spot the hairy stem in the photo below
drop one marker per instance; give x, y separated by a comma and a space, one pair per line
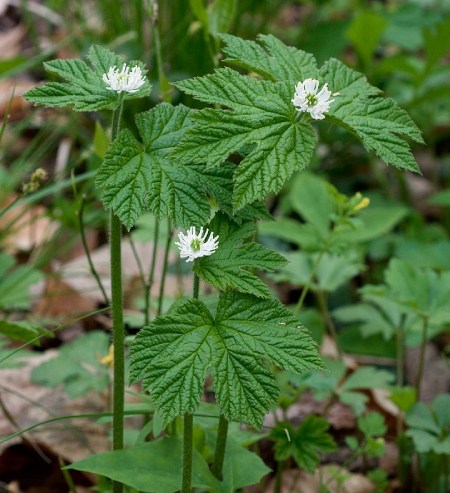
188, 428
221, 443
188, 432
151, 276
279, 476
165, 265
117, 316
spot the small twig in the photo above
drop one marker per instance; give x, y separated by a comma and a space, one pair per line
87, 252
16, 426
328, 320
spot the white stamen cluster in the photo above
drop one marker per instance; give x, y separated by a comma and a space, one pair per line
307, 98
126, 80
193, 245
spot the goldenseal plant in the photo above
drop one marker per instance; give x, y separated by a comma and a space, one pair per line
99, 86
176, 166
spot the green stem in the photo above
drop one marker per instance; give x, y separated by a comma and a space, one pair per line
421, 357
219, 454
117, 316
188, 433
151, 276
328, 320
279, 476
400, 362
307, 286
118, 337
401, 351
188, 428
165, 265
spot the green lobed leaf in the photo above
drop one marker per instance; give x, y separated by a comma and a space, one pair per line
305, 443
234, 262
324, 272
84, 88
378, 122
372, 424
174, 353
368, 377
381, 126
372, 320
270, 58
261, 124
136, 178
419, 290
262, 115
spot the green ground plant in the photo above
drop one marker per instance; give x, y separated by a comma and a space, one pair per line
221, 152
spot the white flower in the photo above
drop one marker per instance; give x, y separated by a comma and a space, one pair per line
127, 80
306, 98
193, 245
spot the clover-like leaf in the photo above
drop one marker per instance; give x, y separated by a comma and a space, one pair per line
174, 353
136, 178
234, 262
84, 88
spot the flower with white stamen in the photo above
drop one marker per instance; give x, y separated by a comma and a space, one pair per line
193, 245
307, 98
126, 80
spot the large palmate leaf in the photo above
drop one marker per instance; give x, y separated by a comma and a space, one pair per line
259, 121
84, 88
136, 177
173, 355
271, 58
233, 264
261, 115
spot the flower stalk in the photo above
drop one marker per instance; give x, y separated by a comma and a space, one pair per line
117, 316
219, 454
188, 426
